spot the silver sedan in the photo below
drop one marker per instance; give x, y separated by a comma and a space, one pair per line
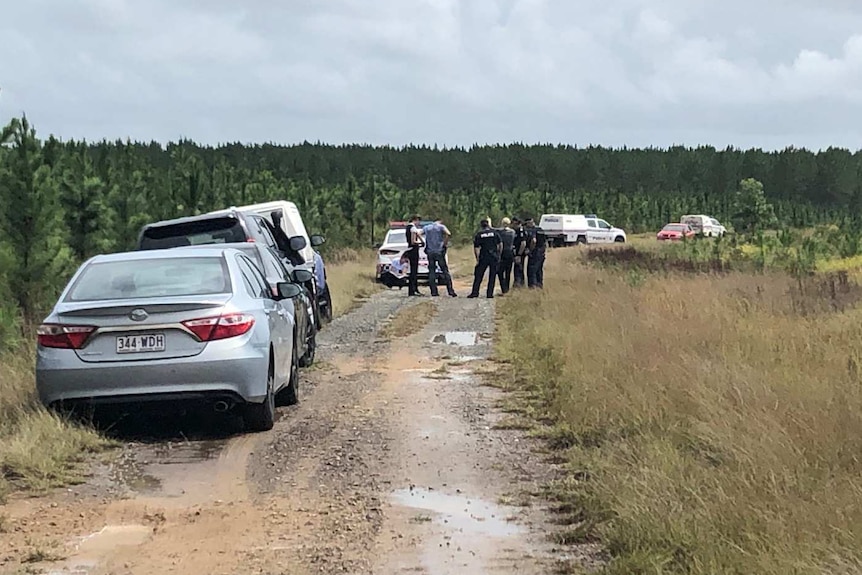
168, 325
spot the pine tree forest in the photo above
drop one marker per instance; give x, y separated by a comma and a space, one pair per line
64, 201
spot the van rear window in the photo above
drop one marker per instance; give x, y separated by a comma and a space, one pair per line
206, 231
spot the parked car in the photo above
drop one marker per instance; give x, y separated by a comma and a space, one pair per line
301, 306
570, 229
171, 325
226, 226
395, 244
675, 232
285, 221
703, 225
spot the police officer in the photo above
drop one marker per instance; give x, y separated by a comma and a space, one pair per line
487, 247
519, 249
507, 256
414, 242
536, 245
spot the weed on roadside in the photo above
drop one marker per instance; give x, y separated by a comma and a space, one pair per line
519, 499
350, 276
38, 449
409, 320
709, 422
42, 553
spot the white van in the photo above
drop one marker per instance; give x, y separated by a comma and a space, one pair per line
290, 221
285, 216
568, 229
704, 225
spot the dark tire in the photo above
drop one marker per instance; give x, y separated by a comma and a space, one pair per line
290, 394
619, 240
311, 350
581, 240
261, 416
318, 321
326, 308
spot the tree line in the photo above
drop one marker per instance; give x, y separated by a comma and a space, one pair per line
63, 201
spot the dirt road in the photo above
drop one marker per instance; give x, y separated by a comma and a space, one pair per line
391, 463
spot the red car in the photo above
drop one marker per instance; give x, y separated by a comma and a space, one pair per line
675, 232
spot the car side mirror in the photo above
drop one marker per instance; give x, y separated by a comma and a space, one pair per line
377, 246
317, 240
288, 290
302, 276
297, 243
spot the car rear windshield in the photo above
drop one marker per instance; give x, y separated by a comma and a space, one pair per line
205, 231
674, 228
151, 278
396, 237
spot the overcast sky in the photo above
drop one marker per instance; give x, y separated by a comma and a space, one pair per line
761, 73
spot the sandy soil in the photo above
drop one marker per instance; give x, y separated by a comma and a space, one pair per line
391, 463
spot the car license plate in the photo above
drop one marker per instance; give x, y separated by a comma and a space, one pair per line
141, 343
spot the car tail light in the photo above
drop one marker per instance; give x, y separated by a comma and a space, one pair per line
220, 327
63, 336
388, 252
249, 241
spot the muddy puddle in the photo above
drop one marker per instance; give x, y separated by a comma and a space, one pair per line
459, 513
169, 469
459, 338
87, 552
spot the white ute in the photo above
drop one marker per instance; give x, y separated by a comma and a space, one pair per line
704, 225
569, 229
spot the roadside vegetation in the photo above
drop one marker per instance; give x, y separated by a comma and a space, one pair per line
710, 416
38, 450
350, 274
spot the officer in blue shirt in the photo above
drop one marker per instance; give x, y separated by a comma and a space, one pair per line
436, 243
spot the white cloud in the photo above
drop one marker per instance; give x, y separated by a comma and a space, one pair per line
636, 72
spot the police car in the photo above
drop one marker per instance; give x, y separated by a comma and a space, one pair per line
395, 244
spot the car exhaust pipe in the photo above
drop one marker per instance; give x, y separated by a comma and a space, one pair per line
221, 406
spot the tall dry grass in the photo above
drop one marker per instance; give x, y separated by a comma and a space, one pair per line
710, 426
351, 277
38, 450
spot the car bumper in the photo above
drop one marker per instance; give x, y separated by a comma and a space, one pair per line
221, 371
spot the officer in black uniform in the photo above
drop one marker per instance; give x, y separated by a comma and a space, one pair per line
519, 249
507, 257
536, 245
414, 242
487, 247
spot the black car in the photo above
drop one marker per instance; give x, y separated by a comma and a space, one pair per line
227, 227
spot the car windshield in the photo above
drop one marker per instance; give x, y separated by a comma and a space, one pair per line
162, 277
396, 237
674, 228
205, 231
